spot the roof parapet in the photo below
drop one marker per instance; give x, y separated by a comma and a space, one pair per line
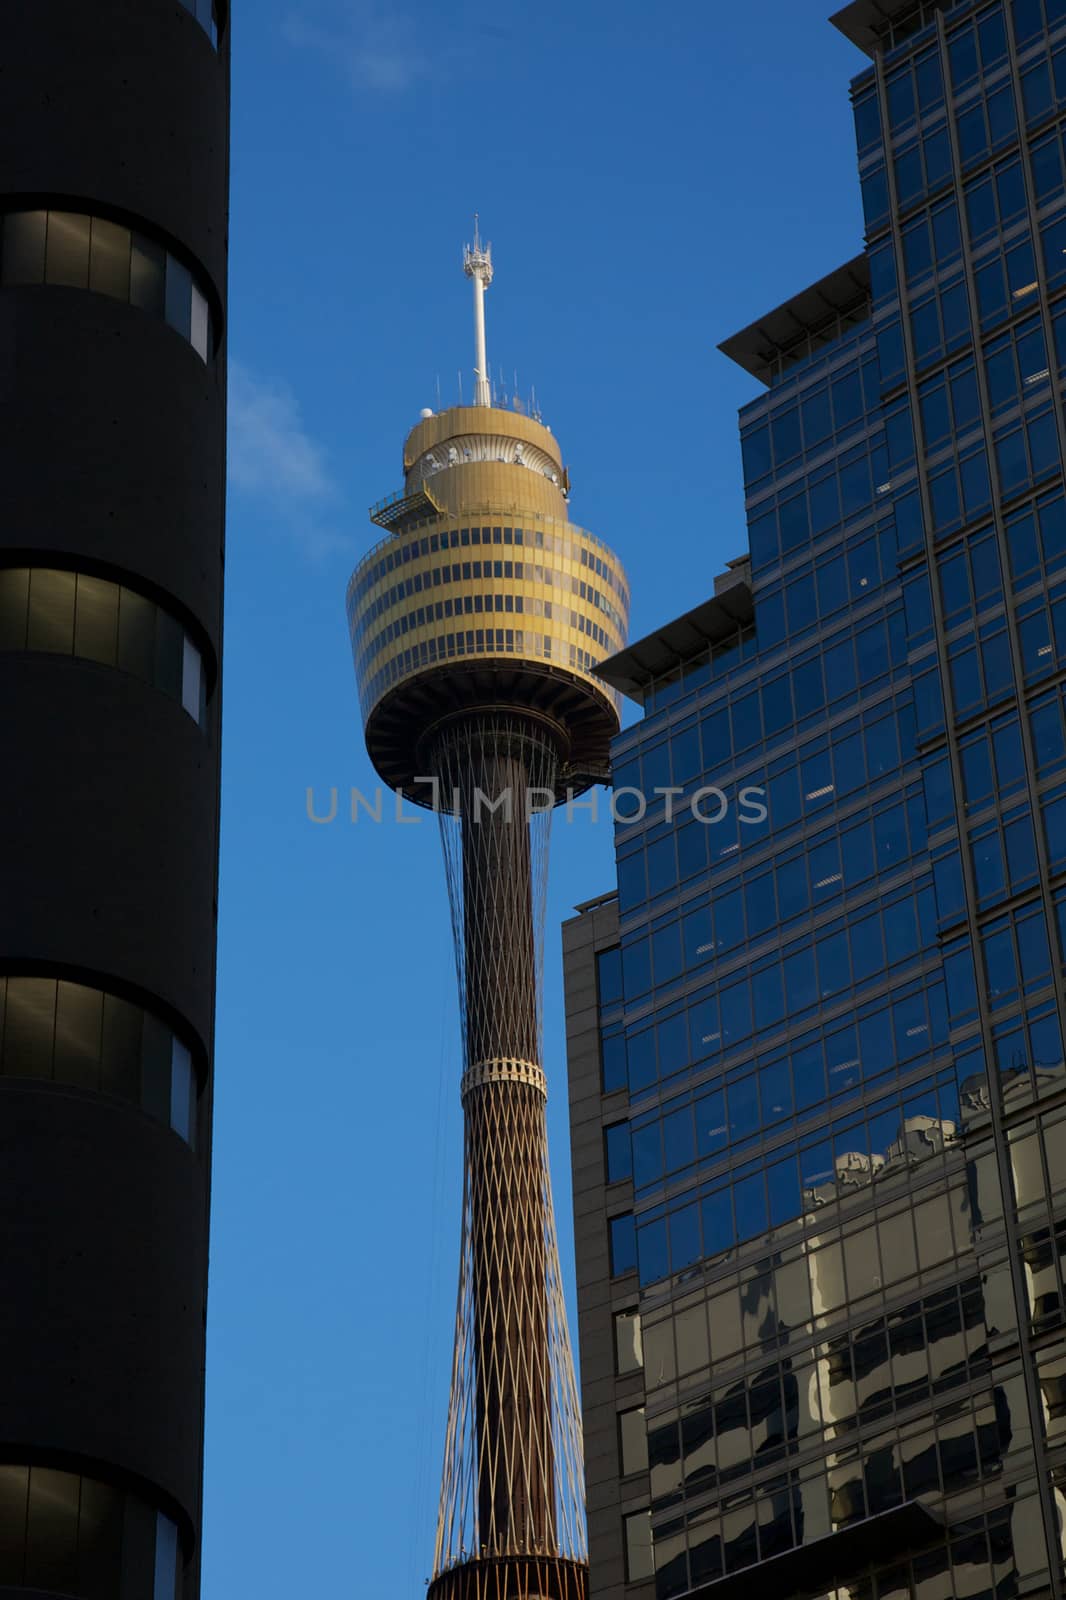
811, 318
633, 671
873, 24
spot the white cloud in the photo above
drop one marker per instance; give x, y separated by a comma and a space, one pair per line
270, 451
273, 458
375, 45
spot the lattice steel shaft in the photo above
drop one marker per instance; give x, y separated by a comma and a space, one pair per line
499, 939
512, 1478
505, 1138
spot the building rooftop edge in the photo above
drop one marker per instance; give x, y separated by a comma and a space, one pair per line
756, 347
633, 670
594, 905
864, 21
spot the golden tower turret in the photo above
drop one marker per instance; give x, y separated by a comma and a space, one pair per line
476, 626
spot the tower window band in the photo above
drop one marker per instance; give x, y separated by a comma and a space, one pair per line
70, 614
58, 1032
573, 545
71, 250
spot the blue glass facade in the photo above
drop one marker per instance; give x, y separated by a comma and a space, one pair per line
831, 1053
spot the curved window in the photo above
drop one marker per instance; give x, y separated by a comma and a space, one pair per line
69, 614
208, 14
70, 249
59, 1032
79, 1537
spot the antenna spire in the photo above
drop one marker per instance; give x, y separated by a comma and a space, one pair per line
477, 264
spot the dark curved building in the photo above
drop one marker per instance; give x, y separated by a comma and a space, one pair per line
114, 157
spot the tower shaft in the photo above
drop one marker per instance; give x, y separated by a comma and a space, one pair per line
506, 1135
498, 916
489, 765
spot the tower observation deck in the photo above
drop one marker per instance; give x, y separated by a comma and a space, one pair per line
476, 626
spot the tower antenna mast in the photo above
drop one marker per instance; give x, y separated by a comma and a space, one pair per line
477, 264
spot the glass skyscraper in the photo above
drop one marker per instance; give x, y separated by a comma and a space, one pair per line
818, 1091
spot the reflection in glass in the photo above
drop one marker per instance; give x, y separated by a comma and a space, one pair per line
148, 272
109, 259
62, 1032
51, 611
60, 1533
22, 247
633, 1441
623, 1244
96, 620
72, 250
628, 1346
209, 14
67, 613
639, 1559
179, 298
885, 1141
67, 251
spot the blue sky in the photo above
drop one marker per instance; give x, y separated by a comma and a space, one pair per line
652, 179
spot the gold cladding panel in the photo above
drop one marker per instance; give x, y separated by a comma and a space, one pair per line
543, 639
497, 488
581, 619
551, 577
445, 425
541, 649
385, 655
565, 621
560, 550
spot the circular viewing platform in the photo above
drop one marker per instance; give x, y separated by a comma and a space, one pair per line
485, 595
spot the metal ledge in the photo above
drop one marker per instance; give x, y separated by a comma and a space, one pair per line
842, 293
635, 669
396, 510
827, 1562
865, 22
